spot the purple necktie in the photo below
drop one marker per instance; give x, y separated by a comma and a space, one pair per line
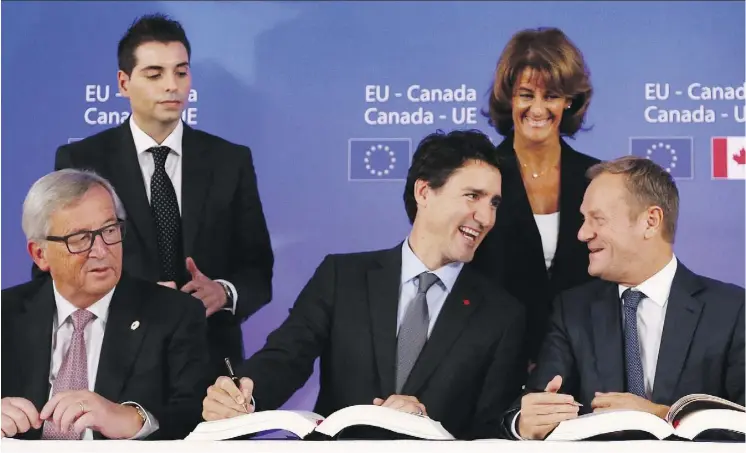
73, 374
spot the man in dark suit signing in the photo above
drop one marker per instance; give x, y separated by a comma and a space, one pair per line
414, 327
650, 331
91, 352
195, 217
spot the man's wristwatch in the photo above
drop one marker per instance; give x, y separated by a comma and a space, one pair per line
142, 415
228, 293
140, 412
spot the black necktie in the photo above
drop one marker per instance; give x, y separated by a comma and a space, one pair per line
165, 210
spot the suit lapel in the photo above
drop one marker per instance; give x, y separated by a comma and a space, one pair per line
383, 297
196, 177
606, 319
682, 316
451, 322
34, 329
515, 198
572, 190
126, 176
121, 341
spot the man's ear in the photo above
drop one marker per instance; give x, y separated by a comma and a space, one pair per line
123, 81
38, 254
422, 191
653, 221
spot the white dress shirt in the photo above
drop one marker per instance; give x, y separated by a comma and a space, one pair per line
651, 314
411, 267
62, 332
143, 142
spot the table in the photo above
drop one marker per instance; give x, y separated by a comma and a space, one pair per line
297, 446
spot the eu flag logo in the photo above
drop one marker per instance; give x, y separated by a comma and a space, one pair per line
378, 159
674, 154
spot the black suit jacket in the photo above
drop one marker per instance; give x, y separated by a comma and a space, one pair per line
469, 371
701, 351
160, 365
223, 223
512, 254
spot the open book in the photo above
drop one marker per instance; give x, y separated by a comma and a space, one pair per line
688, 418
302, 424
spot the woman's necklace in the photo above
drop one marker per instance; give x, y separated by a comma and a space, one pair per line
535, 174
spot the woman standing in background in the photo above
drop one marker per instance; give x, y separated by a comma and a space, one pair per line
541, 93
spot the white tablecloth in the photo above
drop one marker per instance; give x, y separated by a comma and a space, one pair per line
293, 446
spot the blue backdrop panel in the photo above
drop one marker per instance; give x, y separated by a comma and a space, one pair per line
295, 81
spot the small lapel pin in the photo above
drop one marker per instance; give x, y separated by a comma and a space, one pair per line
466, 302
135, 325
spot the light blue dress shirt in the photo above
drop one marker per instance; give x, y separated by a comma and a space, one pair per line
411, 267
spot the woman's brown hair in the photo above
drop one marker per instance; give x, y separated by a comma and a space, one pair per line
556, 61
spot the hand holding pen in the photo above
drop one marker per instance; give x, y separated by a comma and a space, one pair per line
541, 412
228, 397
239, 398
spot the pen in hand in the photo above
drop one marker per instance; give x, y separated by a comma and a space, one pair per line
236, 381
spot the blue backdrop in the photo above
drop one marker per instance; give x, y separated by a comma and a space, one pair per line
294, 80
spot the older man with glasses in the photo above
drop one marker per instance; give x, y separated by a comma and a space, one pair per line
92, 353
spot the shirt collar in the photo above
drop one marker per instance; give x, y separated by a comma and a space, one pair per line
658, 287
412, 267
100, 308
143, 141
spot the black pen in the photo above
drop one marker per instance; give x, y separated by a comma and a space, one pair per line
235, 380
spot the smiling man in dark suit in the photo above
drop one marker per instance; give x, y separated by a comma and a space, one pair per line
650, 331
414, 328
195, 217
92, 352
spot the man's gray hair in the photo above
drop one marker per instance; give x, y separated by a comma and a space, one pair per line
58, 190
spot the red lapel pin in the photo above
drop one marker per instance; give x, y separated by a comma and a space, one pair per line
466, 302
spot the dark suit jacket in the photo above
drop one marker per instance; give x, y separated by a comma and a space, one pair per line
512, 254
469, 371
160, 365
223, 223
701, 351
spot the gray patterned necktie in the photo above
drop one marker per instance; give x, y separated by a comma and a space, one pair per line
633, 362
413, 330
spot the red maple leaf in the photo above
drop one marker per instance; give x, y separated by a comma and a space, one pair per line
740, 158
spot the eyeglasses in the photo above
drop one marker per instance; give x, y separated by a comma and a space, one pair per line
82, 241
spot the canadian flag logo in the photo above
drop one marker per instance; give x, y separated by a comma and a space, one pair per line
729, 157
